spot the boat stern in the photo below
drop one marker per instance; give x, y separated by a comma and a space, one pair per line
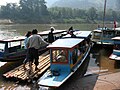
53, 79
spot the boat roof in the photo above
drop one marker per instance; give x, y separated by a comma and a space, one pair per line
118, 28
97, 30
65, 43
116, 38
20, 38
47, 31
103, 29
79, 34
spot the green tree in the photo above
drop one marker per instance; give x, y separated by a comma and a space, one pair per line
92, 14
34, 11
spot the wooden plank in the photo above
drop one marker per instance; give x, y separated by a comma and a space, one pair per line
20, 73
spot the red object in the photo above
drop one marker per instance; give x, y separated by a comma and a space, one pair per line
115, 24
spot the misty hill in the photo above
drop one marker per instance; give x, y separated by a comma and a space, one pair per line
50, 2
85, 4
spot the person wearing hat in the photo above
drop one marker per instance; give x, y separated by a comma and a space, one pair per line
50, 35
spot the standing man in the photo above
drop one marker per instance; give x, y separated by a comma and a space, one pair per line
50, 35
34, 43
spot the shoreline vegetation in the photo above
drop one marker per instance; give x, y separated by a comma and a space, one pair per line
71, 21
36, 12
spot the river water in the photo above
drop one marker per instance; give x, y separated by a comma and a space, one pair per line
98, 57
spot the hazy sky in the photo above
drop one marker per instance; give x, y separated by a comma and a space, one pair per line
3, 2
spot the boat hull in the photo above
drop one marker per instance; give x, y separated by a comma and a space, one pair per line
20, 55
50, 80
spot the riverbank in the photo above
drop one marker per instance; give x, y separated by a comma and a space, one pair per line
5, 21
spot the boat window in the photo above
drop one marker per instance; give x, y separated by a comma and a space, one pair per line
97, 34
15, 46
74, 55
118, 33
117, 46
109, 34
83, 46
59, 56
12, 44
2, 46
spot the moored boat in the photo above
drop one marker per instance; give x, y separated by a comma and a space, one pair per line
96, 35
13, 49
56, 33
66, 56
103, 36
116, 50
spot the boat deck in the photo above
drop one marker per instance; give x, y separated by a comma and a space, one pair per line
19, 73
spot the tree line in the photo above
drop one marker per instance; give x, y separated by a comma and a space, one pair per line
36, 11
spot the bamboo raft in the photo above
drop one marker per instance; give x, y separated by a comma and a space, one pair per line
20, 73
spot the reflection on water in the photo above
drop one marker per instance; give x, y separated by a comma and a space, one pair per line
100, 61
8, 34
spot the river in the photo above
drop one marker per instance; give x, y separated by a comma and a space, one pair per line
98, 56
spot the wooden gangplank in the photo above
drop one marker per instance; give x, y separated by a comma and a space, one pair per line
20, 73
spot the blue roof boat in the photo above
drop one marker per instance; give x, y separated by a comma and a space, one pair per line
66, 56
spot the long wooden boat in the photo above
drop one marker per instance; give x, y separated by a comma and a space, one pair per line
56, 33
66, 56
116, 50
104, 35
13, 49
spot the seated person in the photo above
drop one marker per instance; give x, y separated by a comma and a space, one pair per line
61, 57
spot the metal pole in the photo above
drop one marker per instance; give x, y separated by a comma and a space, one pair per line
104, 13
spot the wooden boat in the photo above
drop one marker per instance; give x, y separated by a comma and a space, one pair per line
66, 56
13, 49
116, 50
57, 34
96, 35
104, 35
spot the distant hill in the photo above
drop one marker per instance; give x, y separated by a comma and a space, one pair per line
50, 2
85, 4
